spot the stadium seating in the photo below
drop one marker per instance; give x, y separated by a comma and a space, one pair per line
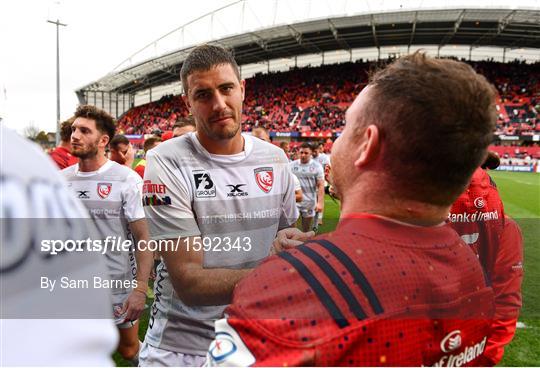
314, 99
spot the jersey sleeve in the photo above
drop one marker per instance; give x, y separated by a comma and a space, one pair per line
297, 185
132, 198
289, 212
167, 200
507, 277
254, 331
320, 173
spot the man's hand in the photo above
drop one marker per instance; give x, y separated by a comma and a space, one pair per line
319, 208
290, 238
134, 305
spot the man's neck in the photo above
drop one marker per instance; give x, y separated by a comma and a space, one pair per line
92, 163
230, 146
380, 201
65, 145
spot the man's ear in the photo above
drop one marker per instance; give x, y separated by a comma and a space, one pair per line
370, 144
104, 140
243, 88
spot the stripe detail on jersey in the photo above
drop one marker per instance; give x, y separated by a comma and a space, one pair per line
314, 284
338, 282
359, 278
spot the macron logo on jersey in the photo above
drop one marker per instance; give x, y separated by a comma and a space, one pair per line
204, 186
228, 349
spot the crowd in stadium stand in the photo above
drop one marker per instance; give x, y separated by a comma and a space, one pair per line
314, 99
158, 115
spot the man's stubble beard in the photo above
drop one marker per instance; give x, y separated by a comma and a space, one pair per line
91, 152
222, 134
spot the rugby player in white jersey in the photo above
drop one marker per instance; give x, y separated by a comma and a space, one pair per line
311, 176
221, 197
319, 155
52, 325
112, 194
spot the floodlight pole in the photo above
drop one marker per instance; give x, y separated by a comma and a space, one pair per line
58, 24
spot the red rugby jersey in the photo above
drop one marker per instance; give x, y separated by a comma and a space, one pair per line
374, 292
63, 158
478, 217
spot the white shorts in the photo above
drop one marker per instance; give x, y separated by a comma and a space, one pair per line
150, 356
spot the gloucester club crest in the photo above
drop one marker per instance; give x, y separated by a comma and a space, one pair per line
104, 189
264, 176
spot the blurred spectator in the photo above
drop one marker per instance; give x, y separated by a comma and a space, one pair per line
149, 143
122, 151
62, 154
183, 126
261, 133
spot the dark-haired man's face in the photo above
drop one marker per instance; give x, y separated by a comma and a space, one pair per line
215, 98
305, 155
120, 153
86, 139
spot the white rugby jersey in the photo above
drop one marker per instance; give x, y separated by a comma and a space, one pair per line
308, 174
322, 159
230, 200
39, 326
112, 195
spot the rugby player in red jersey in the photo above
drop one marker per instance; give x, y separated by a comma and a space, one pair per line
478, 217
392, 285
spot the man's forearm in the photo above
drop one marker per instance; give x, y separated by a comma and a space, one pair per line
204, 286
144, 257
145, 262
320, 194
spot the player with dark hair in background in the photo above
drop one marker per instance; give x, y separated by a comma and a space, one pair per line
112, 194
184, 126
311, 176
61, 155
222, 196
121, 150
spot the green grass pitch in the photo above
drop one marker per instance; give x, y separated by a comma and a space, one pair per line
521, 196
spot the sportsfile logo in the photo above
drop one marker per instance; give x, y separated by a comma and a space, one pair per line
452, 342
204, 186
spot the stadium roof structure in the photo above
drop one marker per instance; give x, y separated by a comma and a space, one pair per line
337, 26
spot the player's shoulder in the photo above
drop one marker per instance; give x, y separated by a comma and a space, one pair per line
121, 171
174, 147
316, 163
69, 171
282, 278
512, 229
30, 163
